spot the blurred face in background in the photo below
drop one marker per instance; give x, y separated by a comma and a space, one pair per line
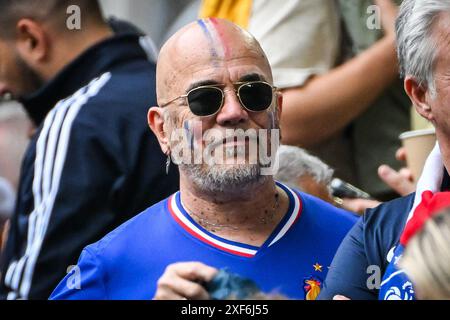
16, 77
307, 183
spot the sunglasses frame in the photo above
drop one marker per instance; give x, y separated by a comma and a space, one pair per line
238, 86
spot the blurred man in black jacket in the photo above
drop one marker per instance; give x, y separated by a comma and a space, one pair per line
92, 162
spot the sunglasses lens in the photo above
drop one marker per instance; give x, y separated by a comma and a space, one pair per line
256, 96
205, 101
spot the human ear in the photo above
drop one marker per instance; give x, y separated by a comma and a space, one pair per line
32, 41
156, 121
418, 95
279, 97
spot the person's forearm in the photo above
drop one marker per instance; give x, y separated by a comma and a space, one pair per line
326, 104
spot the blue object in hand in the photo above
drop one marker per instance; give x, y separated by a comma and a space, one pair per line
226, 285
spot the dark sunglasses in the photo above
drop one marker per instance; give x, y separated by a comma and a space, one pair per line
203, 101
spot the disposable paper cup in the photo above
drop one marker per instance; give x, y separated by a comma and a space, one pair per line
418, 145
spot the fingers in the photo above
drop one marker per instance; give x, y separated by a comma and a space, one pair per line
194, 271
4, 235
183, 281
400, 155
339, 297
406, 174
168, 295
172, 288
401, 181
359, 205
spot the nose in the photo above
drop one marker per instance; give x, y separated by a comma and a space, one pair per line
232, 112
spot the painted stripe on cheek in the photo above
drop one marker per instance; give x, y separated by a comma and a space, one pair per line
189, 134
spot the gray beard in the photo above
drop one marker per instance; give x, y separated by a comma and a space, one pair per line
224, 178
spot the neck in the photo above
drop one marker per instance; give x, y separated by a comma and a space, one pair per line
67, 51
247, 216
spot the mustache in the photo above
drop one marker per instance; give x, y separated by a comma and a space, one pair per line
217, 141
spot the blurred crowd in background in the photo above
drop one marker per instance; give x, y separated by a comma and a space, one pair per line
344, 109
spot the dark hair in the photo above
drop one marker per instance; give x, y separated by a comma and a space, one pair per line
43, 10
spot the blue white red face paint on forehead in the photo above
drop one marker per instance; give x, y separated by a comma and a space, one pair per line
222, 36
218, 42
225, 41
212, 43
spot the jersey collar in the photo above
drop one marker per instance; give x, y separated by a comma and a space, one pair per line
181, 216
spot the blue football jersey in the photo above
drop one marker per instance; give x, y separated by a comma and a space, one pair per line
396, 284
293, 261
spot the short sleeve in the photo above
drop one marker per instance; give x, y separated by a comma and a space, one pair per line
348, 275
83, 282
301, 38
363, 255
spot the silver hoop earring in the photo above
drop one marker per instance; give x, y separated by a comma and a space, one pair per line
168, 161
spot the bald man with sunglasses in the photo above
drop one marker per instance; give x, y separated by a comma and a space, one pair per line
216, 100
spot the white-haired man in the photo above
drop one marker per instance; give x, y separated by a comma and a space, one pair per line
213, 77
305, 172
365, 266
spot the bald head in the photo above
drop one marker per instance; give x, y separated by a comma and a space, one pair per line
221, 70
207, 44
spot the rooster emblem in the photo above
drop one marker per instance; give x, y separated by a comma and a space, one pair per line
312, 288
